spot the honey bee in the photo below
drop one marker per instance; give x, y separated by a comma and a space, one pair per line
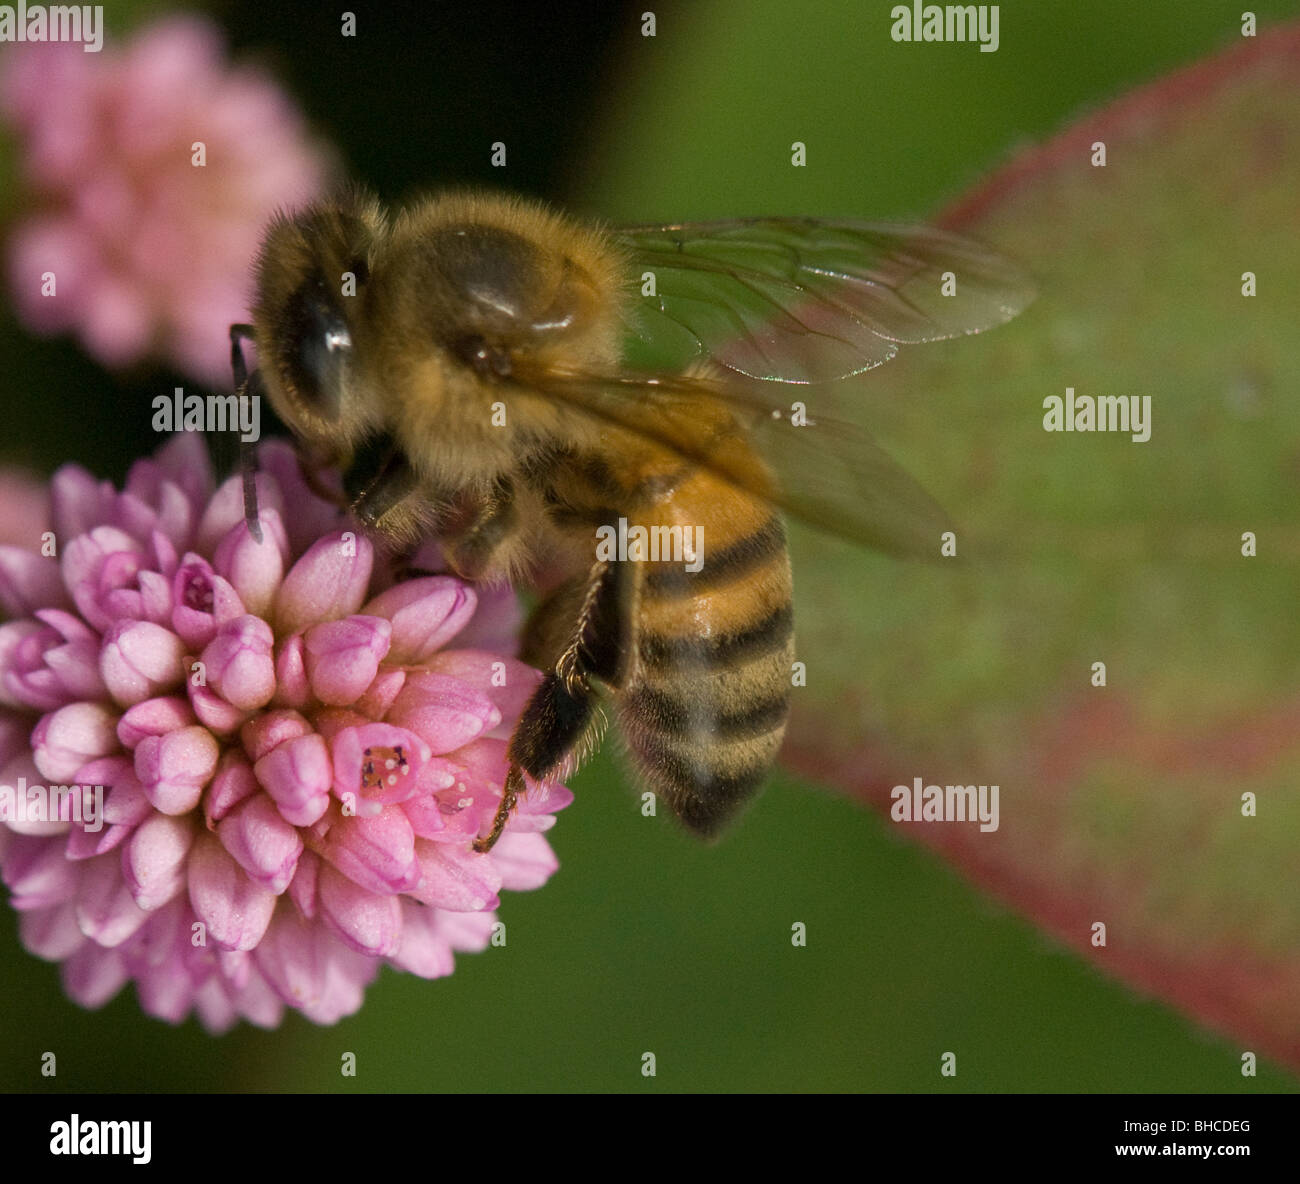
463, 365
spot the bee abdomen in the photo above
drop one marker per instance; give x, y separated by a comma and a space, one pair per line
694, 654
675, 714
705, 714
706, 742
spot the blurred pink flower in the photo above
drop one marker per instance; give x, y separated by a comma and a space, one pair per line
26, 508
149, 251
296, 752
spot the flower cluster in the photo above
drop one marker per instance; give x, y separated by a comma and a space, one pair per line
295, 751
152, 170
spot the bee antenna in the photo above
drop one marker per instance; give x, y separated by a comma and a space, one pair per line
248, 467
247, 457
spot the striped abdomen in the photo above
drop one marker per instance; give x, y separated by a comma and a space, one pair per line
705, 708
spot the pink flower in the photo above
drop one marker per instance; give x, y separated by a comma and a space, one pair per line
154, 168
295, 752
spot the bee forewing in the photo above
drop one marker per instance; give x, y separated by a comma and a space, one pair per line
804, 300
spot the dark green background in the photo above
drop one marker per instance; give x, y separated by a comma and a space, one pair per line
645, 940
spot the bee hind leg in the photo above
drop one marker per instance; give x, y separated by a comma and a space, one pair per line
562, 715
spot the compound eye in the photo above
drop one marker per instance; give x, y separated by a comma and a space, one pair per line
319, 347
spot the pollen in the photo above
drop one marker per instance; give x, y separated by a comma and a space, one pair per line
382, 766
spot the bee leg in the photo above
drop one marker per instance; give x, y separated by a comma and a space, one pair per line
513, 788
472, 551
549, 628
247, 458
562, 711
379, 478
310, 471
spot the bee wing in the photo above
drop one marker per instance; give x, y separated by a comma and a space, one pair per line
827, 472
804, 300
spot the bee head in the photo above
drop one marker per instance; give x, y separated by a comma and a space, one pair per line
312, 278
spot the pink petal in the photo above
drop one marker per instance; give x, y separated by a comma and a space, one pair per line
29, 580
455, 878
264, 732
376, 852
106, 910
173, 769
313, 970
536, 809
497, 623
302, 889
225, 511
37, 874
165, 992
125, 803
75, 664
184, 461
125, 807
423, 950
369, 923
25, 808
468, 932
16, 637
96, 564
93, 975
525, 861
214, 712
327, 583
292, 688
14, 737
343, 657
425, 613
298, 775
139, 660
26, 499
381, 693
507, 683
235, 910
377, 763
78, 502
201, 600
153, 862
220, 1004
239, 664
444, 712
311, 516
53, 933
263, 844
153, 717
254, 569
66, 739
233, 783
